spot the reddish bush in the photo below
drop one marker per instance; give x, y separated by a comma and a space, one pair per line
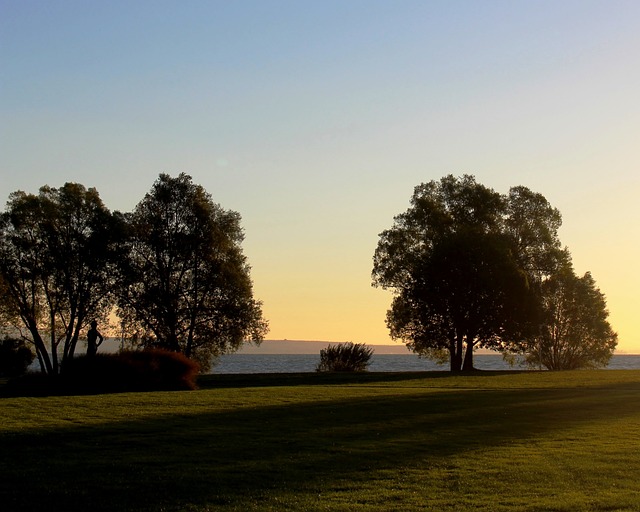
147, 370
162, 369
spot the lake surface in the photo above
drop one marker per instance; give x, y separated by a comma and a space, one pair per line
296, 363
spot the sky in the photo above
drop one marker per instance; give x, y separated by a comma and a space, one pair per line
315, 120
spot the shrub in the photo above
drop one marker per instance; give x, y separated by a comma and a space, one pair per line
147, 370
15, 357
345, 357
162, 369
31, 384
96, 374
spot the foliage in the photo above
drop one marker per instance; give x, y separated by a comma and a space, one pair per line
146, 370
7, 311
465, 264
15, 357
437, 355
345, 357
532, 224
185, 284
470, 284
139, 370
491, 441
575, 332
57, 250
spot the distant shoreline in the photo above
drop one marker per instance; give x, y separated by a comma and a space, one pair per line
311, 347
314, 347
290, 347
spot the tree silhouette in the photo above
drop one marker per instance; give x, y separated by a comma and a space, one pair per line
185, 284
575, 332
465, 264
57, 251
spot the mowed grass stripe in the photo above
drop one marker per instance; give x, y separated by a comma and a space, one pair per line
489, 441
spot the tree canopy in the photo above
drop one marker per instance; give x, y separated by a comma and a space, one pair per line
574, 332
174, 268
465, 264
469, 267
57, 251
185, 284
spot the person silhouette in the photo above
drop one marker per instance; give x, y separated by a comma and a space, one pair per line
92, 339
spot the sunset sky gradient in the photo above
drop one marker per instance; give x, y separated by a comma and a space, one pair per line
316, 119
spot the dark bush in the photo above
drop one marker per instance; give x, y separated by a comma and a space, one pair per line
31, 384
345, 357
162, 369
147, 370
101, 373
15, 357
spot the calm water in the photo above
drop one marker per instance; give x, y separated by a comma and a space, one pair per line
295, 363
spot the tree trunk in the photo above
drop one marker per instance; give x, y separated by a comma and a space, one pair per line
452, 356
41, 349
54, 344
41, 361
467, 366
172, 342
76, 336
456, 353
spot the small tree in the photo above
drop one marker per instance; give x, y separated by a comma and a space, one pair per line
575, 332
345, 357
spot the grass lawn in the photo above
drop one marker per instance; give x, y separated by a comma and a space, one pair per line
521, 441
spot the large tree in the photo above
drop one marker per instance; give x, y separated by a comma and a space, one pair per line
465, 264
575, 332
185, 284
57, 250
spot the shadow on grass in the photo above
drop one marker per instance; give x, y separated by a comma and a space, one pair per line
40, 385
230, 380
233, 459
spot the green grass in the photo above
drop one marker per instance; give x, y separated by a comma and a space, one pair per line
522, 441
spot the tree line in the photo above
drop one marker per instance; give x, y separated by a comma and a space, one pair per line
172, 271
468, 267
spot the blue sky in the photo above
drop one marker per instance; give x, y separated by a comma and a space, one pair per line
315, 120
